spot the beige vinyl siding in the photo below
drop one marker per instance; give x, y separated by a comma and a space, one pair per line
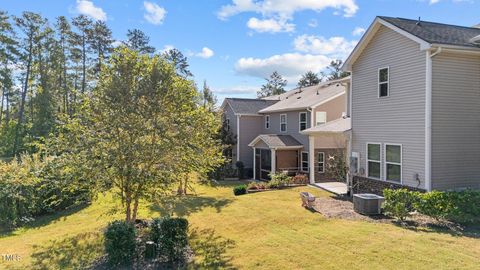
293, 121
455, 121
399, 118
250, 128
334, 108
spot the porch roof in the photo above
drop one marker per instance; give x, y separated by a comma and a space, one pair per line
340, 125
274, 141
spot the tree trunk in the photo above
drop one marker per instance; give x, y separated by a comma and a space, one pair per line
84, 64
128, 203
135, 209
24, 95
1, 105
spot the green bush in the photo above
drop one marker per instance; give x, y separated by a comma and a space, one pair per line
171, 237
464, 206
240, 169
37, 186
435, 204
120, 242
399, 202
240, 190
279, 180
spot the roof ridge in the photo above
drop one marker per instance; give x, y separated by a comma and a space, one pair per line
446, 24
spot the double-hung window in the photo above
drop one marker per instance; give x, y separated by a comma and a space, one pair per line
383, 82
267, 121
305, 161
373, 160
320, 118
227, 123
283, 123
302, 121
321, 162
393, 162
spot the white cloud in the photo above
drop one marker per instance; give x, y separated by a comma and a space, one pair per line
205, 53
336, 47
358, 31
270, 25
431, 2
313, 23
154, 13
87, 8
237, 90
286, 8
290, 65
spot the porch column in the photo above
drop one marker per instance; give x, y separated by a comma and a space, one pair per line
254, 164
273, 160
311, 158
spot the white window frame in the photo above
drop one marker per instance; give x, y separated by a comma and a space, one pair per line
387, 82
300, 121
267, 121
286, 121
316, 118
371, 160
393, 163
301, 162
323, 162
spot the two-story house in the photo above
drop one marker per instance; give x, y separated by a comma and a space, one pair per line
415, 106
284, 137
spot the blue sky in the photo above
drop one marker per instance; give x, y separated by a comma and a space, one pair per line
234, 44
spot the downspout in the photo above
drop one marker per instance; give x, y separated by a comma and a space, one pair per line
238, 137
428, 118
311, 149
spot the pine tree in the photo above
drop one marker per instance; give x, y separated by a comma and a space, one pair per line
179, 61
84, 26
8, 54
335, 71
100, 40
137, 40
275, 86
309, 79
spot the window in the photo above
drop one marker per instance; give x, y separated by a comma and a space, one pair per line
303, 120
320, 118
321, 162
227, 123
373, 160
393, 162
383, 79
305, 161
267, 121
283, 123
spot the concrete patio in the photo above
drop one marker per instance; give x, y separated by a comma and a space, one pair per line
338, 188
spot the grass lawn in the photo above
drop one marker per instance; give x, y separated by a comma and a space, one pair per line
268, 230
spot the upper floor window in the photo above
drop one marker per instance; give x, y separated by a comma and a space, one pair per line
373, 160
283, 123
383, 82
227, 124
393, 162
302, 120
320, 118
267, 121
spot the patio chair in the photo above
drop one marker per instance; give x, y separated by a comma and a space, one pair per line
308, 199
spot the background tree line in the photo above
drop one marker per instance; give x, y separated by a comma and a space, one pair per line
48, 67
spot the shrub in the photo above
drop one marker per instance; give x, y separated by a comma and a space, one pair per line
434, 204
279, 180
252, 186
399, 202
240, 169
120, 244
240, 190
464, 206
171, 237
300, 179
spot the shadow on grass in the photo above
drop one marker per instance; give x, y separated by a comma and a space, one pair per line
47, 219
77, 252
185, 205
210, 250
471, 231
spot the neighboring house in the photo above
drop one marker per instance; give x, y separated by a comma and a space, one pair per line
415, 106
241, 117
285, 142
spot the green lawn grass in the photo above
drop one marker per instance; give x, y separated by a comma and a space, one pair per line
268, 230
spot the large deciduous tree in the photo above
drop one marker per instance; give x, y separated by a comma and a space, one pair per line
146, 130
275, 86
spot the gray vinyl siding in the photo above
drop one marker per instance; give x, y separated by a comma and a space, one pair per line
398, 118
455, 121
229, 114
250, 128
293, 126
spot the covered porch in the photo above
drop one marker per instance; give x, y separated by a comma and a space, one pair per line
276, 153
329, 145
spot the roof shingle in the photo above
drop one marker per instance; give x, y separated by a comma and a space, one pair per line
248, 106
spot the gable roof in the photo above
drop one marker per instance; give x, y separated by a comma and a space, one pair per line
437, 33
426, 34
275, 141
308, 97
340, 125
247, 106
